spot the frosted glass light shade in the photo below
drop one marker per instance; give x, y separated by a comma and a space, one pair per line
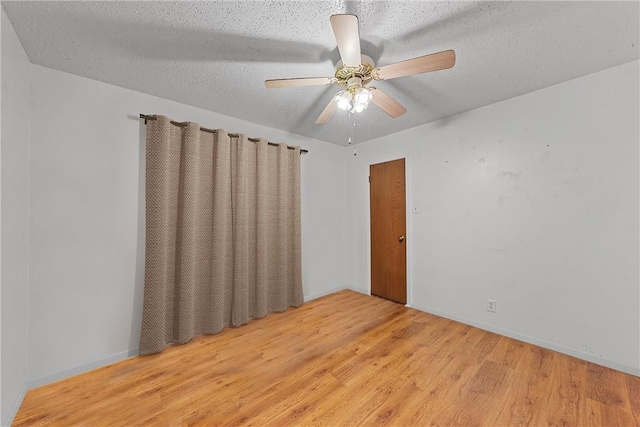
363, 96
343, 100
352, 100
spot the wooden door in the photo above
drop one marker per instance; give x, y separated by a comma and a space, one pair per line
388, 228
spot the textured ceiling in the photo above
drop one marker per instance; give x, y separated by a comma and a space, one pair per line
217, 54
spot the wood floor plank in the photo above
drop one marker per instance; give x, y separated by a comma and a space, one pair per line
633, 388
536, 388
507, 352
566, 402
344, 359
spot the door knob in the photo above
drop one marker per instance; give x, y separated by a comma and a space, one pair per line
401, 239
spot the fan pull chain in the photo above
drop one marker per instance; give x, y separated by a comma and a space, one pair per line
352, 116
349, 138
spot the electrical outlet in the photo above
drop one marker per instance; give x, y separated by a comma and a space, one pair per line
491, 305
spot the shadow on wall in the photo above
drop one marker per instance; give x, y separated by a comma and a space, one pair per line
138, 290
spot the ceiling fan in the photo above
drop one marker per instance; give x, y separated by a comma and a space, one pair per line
354, 71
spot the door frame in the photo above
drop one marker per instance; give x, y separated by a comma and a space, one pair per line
408, 199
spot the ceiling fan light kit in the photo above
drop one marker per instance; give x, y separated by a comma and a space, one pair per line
355, 98
354, 71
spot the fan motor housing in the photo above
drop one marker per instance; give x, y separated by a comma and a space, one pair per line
362, 71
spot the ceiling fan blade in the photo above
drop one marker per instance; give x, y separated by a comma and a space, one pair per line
327, 113
422, 64
304, 81
387, 103
345, 28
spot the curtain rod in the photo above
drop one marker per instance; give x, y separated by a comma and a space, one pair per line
235, 135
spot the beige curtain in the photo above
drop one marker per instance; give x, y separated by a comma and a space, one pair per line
222, 234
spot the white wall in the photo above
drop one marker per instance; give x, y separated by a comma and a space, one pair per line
87, 218
16, 121
532, 202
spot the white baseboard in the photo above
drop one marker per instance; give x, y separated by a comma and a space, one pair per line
360, 291
323, 294
12, 414
81, 369
633, 370
332, 291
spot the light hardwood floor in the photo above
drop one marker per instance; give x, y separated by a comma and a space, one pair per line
344, 359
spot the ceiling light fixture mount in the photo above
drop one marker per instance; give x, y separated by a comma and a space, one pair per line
363, 71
